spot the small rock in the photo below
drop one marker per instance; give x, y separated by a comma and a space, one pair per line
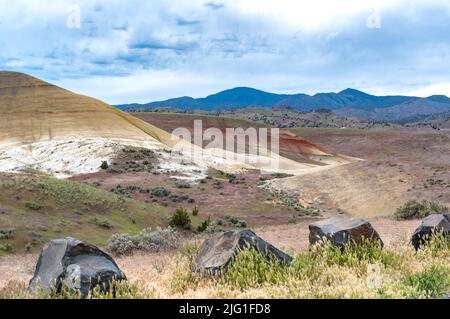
217, 252
429, 225
342, 230
76, 265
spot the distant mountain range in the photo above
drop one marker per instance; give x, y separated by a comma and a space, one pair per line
349, 102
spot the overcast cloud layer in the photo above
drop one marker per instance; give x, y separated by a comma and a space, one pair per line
139, 51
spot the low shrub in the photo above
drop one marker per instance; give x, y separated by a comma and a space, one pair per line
216, 173
218, 185
103, 223
147, 240
281, 175
415, 209
104, 165
180, 219
204, 225
183, 185
33, 205
7, 234
160, 192
7, 248
235, 222
218, 225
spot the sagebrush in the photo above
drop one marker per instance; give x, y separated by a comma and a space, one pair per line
147, 240
419, 209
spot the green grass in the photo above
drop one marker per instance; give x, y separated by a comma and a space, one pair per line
433, 281
42, 208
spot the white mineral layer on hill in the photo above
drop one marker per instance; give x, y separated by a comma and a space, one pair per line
65, 158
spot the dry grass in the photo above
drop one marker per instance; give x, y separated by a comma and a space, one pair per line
394, 272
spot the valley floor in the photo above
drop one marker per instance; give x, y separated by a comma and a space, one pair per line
399, 165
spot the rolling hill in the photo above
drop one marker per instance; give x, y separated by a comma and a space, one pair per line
33, 110
52, 130
349, 102
440, 120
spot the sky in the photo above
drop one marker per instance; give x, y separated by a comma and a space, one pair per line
142, 51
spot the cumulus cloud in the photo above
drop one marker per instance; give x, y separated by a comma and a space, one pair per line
137, 51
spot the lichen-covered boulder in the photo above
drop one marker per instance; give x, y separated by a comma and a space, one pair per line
76, 265
217, 252
342, 230
430, 224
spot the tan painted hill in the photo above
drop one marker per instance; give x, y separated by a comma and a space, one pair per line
33, 111
50, 129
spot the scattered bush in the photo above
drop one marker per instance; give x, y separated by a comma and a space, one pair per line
204, 225
415, 209
195, 211
33, 205
215, 173
178, 198
104, 165
7, 234
7, 248
235, 222
291, 200
233, 179
183, 185
160, 192
28, 247
218, 185
103, 223
281, 175
228, 222
181, 219
147, 240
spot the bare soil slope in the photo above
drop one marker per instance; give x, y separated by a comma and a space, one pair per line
398, 165
292, 146
33, 110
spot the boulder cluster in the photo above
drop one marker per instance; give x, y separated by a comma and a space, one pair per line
83, 267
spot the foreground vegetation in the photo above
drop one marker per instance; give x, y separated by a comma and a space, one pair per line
323, 272
36, 207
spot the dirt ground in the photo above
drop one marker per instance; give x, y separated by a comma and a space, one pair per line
399, 165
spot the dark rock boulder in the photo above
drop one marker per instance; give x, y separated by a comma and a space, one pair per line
430, 224
342, 230
217, 252
76, 265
